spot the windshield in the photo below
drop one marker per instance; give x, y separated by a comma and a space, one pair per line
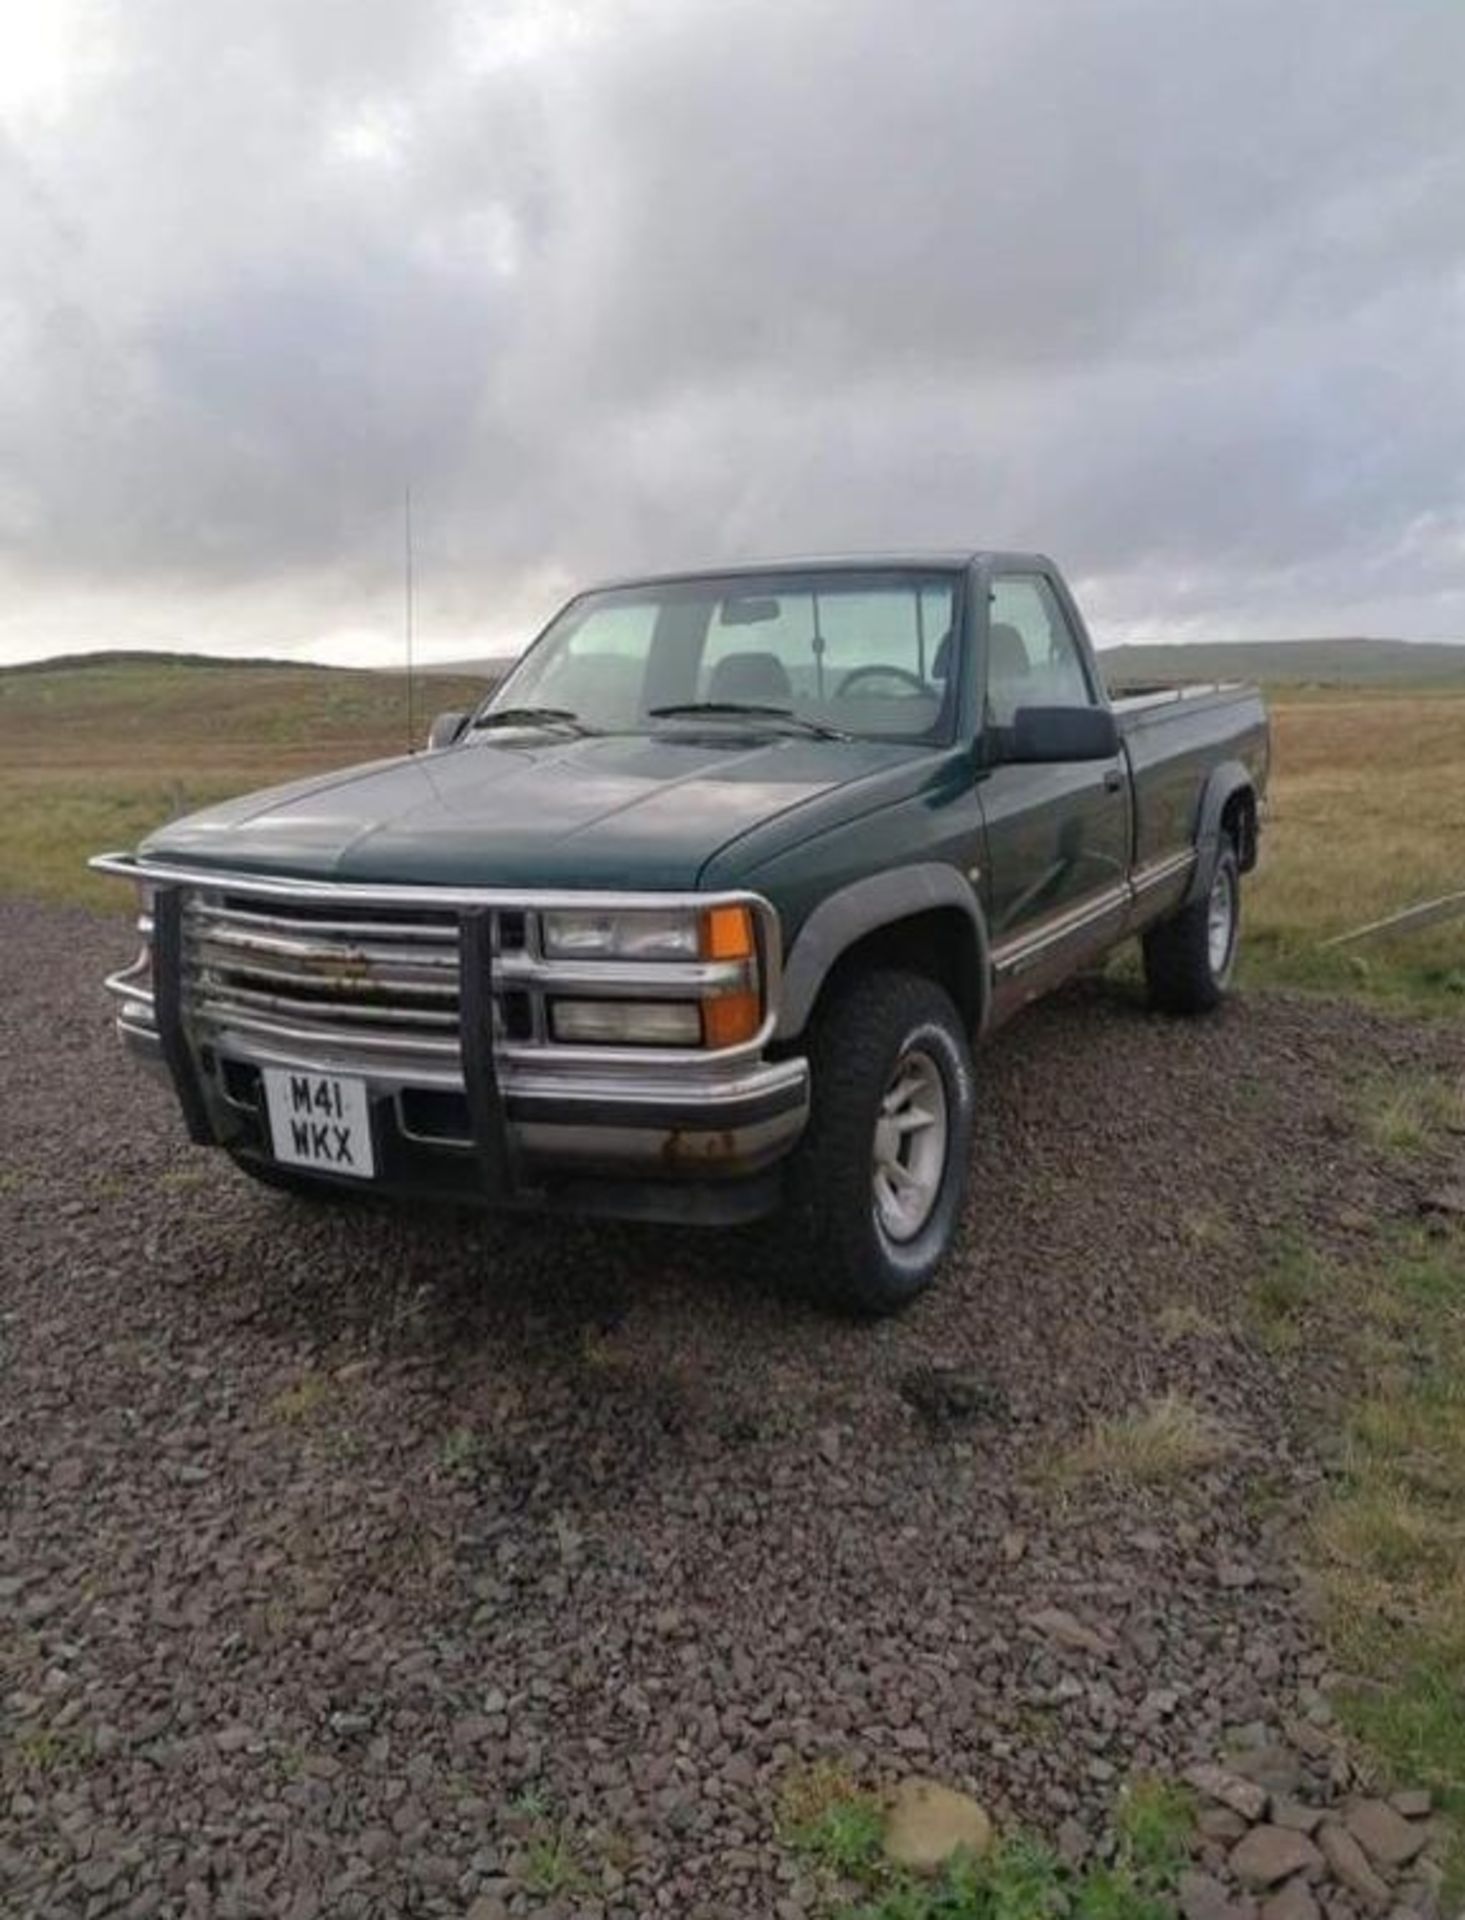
865, 652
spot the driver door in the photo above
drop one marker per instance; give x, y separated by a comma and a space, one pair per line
1058, 833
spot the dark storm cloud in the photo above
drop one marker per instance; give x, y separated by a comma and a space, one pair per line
1171, 288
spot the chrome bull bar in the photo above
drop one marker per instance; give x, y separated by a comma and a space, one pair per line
447, 990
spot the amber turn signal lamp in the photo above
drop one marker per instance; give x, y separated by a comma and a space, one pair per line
727, 934
730, 1019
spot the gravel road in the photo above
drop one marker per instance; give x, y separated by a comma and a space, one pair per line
355, 1564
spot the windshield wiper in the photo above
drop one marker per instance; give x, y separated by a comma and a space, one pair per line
738, 708
533, 717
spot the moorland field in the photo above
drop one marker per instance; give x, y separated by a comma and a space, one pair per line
1366, 809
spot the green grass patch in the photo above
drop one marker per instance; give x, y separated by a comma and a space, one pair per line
530, 1803
837, 1828
1391, 1539
1154, 1819
1285, 1293
1414, 973
550, 1866
825, 1816
1022, 1879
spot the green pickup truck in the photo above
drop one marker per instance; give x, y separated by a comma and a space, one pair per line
703, 911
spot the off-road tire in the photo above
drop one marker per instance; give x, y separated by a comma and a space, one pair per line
846, 1257
1183, 971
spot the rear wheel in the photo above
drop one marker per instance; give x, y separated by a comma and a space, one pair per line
1189, 958
878, 1181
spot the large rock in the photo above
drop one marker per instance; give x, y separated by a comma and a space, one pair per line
1221, 1824
1060, 1625
1270, 1854
1385, 1836
1348, 1864
1200, 1897
1271, 1766
1292, 1902
1241, 1796
1294, 1814
1413, 1801
926, 1822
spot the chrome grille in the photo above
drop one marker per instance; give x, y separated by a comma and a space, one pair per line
387, 978
365, 978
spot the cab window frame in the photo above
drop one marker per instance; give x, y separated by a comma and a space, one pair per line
1058, 604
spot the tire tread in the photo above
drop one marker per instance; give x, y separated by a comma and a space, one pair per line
830, 1202
1177, 958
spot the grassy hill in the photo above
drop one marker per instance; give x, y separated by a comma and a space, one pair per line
199, 706
95, 750
142, 657
1327, 663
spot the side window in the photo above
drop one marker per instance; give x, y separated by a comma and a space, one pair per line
1033, 659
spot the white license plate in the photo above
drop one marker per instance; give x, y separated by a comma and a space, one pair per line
319, 1120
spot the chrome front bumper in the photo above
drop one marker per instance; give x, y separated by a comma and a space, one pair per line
651, 1113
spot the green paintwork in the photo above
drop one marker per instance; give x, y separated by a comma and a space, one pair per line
626, 811
797, 819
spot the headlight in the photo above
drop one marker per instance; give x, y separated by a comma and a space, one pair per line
634, 935
635, 1023
727, 1009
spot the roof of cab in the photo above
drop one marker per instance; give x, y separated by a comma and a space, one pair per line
948, 560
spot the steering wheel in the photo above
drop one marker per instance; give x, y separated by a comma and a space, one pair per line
912, 680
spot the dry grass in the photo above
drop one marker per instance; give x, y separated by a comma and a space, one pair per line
1367, 806
1207, 1230
94, 757
1367, 816
302, 1398
1406, 1116
1156, 1444
807, 1793
1184, 1320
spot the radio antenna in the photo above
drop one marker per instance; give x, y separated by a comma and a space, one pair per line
407, 609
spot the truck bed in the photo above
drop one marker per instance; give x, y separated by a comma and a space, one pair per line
1174, 737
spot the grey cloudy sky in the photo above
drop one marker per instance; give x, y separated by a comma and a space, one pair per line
1174, 289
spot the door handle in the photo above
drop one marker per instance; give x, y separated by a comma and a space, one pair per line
1113, 780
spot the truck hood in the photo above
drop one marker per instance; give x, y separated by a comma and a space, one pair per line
618, 811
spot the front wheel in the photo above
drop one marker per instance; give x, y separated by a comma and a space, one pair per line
1189, 958
878, 1180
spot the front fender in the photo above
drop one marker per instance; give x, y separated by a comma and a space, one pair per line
880, 900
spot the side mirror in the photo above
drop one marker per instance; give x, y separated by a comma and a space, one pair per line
1061, 733
445, 729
